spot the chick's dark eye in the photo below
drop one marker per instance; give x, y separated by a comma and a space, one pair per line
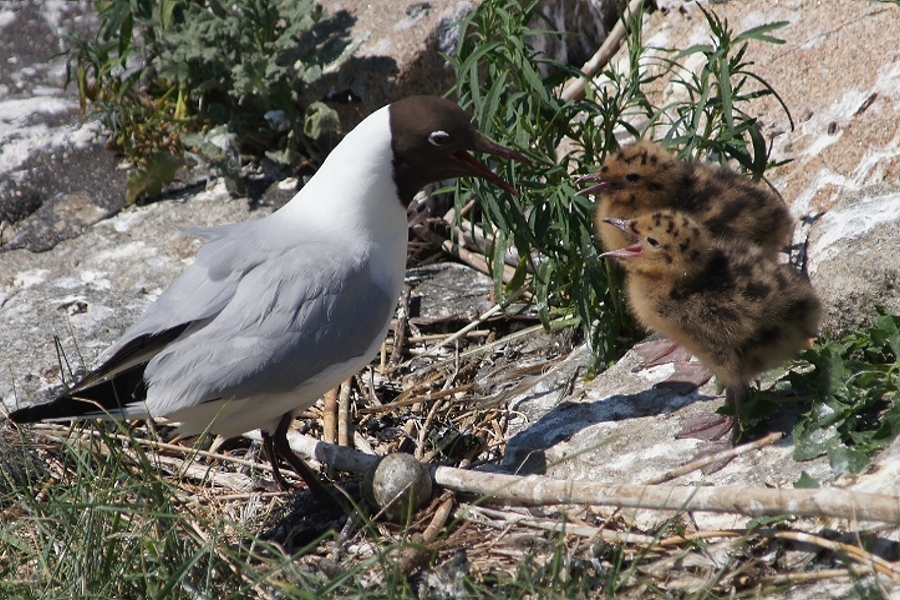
633, 177
439, 138
653, 242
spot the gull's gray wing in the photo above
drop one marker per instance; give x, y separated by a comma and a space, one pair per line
287, 319
199, 293
251, 316
206, 286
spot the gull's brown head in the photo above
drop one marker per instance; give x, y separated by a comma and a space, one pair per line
432, 139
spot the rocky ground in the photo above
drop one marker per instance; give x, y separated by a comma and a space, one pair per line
76, 265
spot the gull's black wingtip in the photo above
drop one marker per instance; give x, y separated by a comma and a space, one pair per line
104, 398
63, 408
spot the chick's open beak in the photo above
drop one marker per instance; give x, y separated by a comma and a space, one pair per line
602, 186
628, 252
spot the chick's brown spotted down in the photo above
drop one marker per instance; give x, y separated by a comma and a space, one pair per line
643, 177
729, 303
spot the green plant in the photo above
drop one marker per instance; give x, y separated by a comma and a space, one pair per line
187, 76
514, 92
500, 80
853, 383
708, 118
110, 523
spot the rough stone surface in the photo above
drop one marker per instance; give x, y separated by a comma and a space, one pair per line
402, 47
451, 290
47, 156
88, 289
854, 257
620, 428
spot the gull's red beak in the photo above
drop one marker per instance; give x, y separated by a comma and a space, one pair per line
477, 168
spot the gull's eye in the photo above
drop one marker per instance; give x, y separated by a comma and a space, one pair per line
633, 177
653, 242
439, 138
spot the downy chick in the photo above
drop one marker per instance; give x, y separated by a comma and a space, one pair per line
643, 176
737, 310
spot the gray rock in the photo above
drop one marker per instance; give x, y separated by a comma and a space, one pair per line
586, 22
401, 47
445, 291
854, 258
620, 427
47, 155
63, 217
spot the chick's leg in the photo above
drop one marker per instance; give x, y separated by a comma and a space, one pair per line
688, 374
713, 427
736, 397
709, 427
659, 351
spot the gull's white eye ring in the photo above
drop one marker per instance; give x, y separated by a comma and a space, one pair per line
439, 138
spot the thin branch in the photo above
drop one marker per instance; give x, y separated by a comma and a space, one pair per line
400, 329
534, 490
329, 416
470, 512
481, 319
473, 259
415, 556
61, 433
863, 557
344, 416
714, 458
415, 400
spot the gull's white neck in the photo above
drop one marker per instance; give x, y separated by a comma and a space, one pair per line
352, 201
354, 189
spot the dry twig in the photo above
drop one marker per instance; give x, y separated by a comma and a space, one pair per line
416, 556
399, 339
714, 458
534, 490
861, 556
473, 259
329, 416
345, 418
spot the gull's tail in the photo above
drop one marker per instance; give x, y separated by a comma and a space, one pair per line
117, 398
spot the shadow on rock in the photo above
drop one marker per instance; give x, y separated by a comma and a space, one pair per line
525, 452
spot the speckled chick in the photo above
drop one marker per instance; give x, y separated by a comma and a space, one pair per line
737, 310
643, 176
